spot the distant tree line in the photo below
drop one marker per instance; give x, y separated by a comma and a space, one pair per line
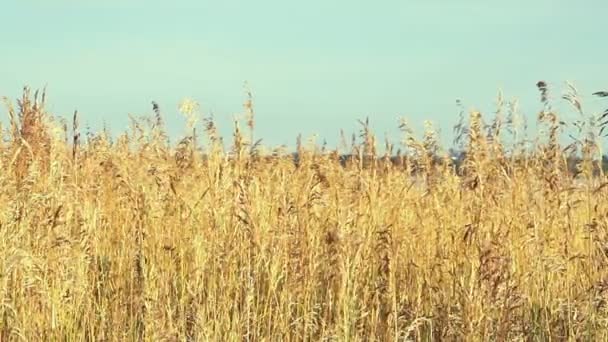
456, 158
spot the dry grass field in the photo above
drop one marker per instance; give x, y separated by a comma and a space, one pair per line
129, 238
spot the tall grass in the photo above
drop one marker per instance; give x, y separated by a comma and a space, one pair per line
135, 239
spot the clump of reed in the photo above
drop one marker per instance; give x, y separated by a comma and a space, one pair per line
136, 238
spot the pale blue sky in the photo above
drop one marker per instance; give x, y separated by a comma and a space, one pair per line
314, 66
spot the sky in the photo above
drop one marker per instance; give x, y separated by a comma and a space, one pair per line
314, 67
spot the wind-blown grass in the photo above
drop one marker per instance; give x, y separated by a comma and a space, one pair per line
134, 239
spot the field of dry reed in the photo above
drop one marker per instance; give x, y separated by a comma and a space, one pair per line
130, 238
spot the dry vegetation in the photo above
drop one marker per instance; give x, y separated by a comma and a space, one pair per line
132, 239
